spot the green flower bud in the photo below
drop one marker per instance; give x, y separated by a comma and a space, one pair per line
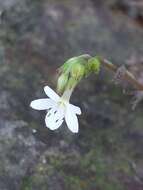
94, 65
77, 71
62, 82
70, 63
74, 69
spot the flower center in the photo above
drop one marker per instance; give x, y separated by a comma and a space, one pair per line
62, 103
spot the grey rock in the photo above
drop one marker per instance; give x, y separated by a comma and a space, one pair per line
36, 37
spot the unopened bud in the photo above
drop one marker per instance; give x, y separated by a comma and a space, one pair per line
77, 71
94, 65
76, 68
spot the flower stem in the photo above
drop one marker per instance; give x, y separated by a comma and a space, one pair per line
128, 76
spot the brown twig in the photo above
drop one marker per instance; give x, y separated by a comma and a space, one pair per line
129, 77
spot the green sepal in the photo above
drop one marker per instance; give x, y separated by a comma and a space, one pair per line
62, 82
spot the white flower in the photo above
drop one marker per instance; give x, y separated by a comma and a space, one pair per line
58, 108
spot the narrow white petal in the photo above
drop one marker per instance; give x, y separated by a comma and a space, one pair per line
42, 104
75, 109
54, 118
51, 94
71, 120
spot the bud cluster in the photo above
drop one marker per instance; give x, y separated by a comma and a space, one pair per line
76, 68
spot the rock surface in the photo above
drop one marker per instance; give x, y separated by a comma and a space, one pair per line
36, 37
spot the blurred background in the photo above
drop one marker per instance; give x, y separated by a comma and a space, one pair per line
38, 36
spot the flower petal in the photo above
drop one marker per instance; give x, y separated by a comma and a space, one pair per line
42, 104
71, 120
75, 109
54, 118
51, 94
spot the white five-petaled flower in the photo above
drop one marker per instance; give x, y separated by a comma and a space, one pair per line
58, 108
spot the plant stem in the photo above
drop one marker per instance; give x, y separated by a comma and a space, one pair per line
128, 76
